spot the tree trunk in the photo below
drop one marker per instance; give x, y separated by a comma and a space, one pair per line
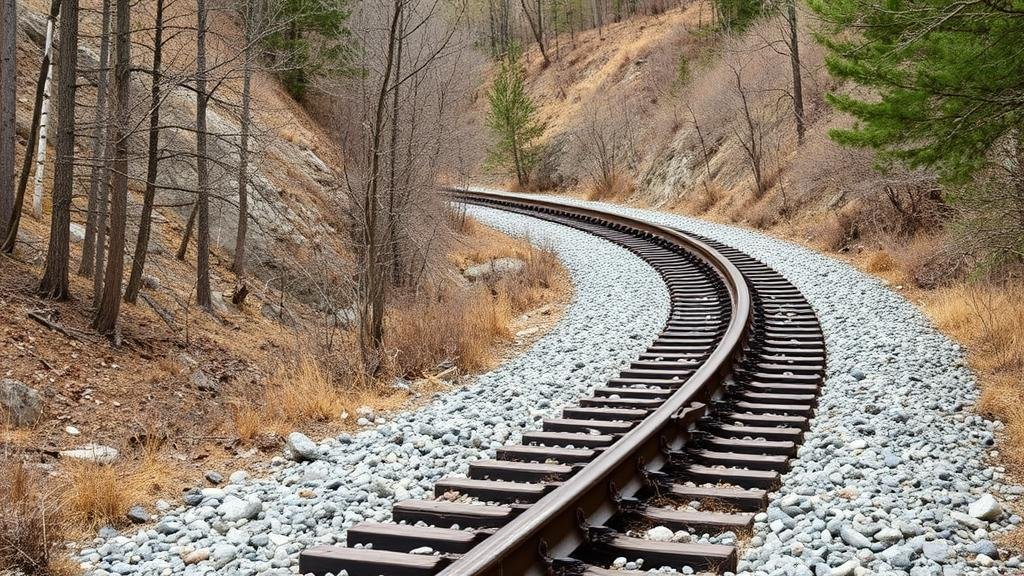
102, 210
8, 102
393, 209
187, 235
202, 173
44, 123
55, 276
537, 28
131, 292
794, 57
98, 177
238, 265
15, 218
105, 321
372, 274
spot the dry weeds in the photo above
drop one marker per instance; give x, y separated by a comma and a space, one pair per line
31, 531
989, 321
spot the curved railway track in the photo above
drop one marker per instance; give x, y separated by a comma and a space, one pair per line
711, 413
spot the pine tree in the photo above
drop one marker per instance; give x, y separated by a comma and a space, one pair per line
947, 75
513, 120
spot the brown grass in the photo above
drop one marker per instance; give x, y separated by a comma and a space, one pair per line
616, 187
302, 393
96, 495
989, 320
31, 531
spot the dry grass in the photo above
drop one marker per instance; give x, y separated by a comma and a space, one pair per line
302, 393
989, 321
96, 495
616, 187
468, 325
31, 530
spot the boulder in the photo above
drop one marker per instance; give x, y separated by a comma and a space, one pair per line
985, 508
496, 267
203, 382
96, 453
76, 232
22, 405
299, 447
234, 508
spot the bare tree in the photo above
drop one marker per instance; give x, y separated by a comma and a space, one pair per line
14, 222
8, 101
753, 140
794, 55
152, 161
248, 25
105, 321
98, 175
54, 283
536, 22
203, 298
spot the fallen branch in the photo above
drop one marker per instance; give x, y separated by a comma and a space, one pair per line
42, 317
164, 315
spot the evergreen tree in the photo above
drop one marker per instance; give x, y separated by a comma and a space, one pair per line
313, 41
947, 78
513, 120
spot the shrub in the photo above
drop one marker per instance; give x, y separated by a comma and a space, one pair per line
31, 531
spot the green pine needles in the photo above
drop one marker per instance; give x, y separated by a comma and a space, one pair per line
947, 78
513, 121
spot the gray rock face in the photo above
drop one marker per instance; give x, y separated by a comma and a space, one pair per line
76, 232
202, 381
299, 447
493, 268
19, 404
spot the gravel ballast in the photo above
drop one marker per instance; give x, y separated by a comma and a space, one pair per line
259, 525
895, 475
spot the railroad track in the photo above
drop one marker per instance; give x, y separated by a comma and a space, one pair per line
710, 413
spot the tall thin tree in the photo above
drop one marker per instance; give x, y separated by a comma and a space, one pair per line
44, 125
15, 220
98, 176
105, 321
152, 162
54, 283
8, 98
794, 57
202, 171
238, 264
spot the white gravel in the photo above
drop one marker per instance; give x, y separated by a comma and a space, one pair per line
885, 481
258, 526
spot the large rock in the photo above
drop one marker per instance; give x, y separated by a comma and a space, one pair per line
96, 453
496, 267
985, 508
234, 508
22, 405
299, 447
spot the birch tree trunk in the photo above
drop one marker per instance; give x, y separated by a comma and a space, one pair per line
8, 93
152, 163
105, 321
44, 124
98, 176
54, 283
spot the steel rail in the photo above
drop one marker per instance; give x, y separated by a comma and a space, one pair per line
559, 523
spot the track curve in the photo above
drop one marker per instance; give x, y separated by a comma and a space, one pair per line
709, 414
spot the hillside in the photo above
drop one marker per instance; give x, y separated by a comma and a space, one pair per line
664, 111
